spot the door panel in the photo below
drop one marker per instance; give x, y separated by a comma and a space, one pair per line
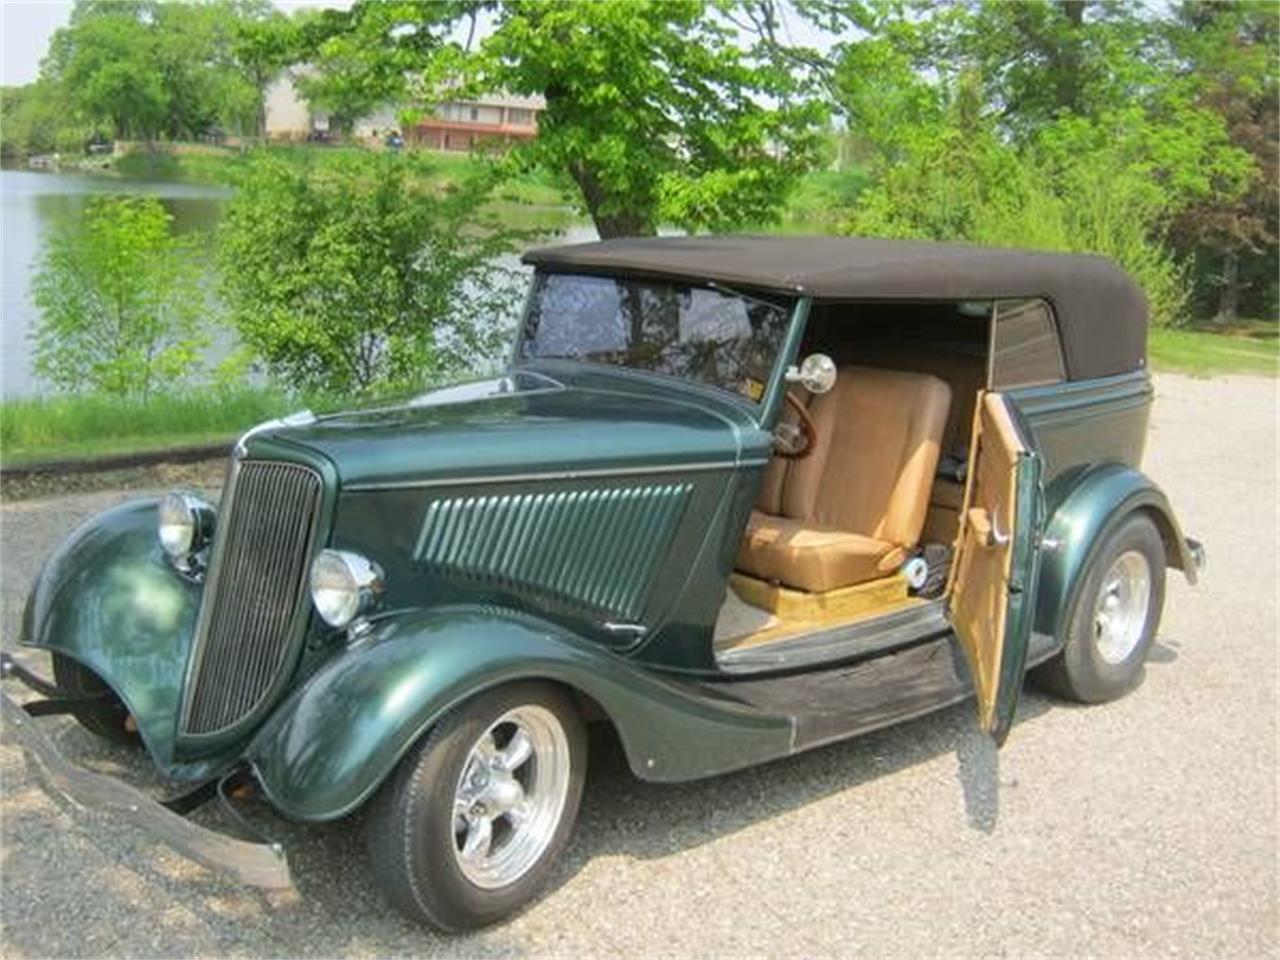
991, 594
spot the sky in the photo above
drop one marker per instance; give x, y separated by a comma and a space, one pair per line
27, 25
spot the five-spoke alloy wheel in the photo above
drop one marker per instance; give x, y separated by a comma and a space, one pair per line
1114, 616
510, 796
467, 829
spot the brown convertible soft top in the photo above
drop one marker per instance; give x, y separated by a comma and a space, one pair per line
1101, 313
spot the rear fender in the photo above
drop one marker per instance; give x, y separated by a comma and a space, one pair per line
1100, 499
336, 738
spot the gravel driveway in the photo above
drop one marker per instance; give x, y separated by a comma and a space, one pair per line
1145, 827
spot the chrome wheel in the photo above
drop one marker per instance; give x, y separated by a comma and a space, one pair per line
510, 796
1122, 606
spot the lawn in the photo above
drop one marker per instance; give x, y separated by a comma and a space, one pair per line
72, 427
1248, 347
217, 165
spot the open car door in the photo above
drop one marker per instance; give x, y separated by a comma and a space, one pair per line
993, 578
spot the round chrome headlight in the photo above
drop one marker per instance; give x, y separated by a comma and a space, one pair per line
344, 585
185, 525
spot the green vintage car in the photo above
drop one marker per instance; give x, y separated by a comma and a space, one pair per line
737, 497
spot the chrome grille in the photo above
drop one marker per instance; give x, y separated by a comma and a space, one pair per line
247, 622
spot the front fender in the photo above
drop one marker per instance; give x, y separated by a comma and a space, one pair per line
330, 745
1098, 500
109, 599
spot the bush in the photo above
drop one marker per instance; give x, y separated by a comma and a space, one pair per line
120, 302
348, 274
977, 188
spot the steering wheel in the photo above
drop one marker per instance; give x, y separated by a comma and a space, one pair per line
795, 439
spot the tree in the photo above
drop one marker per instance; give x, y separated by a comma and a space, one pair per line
657, 110
37, 119
1228, 55
107, 63
120, 302
262, 47
148, 69
346, 275
1064, 125
361, 58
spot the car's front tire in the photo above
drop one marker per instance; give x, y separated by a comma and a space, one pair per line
468, 827
1114, 618
108, 718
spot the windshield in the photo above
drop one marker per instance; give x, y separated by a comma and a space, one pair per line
718, 337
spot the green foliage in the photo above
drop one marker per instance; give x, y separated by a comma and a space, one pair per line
120, 302
1065, 126
1229, 53
655, 110
175, 70
261, 47
107, 64
974, 187
349, 274
35, 119
360, 58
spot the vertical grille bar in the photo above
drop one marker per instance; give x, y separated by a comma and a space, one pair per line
594, 546
266, 535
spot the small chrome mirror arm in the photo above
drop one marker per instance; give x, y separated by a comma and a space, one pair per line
817, 373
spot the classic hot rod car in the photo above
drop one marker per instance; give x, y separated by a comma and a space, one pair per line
737, 497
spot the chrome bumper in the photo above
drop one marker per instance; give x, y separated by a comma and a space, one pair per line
255, 864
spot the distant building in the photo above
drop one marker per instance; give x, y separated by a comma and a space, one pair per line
288, 115
376, 125
461, 124
454, 125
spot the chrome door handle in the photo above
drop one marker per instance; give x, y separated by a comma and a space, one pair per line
997, 538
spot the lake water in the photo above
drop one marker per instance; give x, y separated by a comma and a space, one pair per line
33, 204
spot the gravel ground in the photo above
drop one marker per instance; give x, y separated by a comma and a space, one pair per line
1145, 827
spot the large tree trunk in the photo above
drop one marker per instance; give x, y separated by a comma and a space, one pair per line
621, 223
1229, 294
1069, 81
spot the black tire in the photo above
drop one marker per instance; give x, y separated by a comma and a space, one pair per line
1080, 672
410, 830
105, 720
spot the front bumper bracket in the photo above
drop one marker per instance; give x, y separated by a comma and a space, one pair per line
255, 864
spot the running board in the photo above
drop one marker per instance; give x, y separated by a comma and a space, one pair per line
856, 641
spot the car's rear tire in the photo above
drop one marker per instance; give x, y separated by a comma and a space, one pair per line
468, 827
1114, 617
108, 718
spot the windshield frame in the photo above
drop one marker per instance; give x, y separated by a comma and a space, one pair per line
769, 399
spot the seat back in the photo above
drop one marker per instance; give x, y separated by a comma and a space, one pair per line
871, 470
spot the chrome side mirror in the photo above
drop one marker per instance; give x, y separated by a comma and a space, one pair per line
817, 373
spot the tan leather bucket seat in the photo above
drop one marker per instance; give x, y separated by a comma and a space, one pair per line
853, 509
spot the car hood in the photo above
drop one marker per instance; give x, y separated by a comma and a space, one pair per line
527, 423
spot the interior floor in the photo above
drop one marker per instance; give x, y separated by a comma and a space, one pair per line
741, 625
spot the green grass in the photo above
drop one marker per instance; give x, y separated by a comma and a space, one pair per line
73, 427
218, 165
70, 427
1248, 347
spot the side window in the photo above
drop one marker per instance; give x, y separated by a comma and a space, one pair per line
1026, 349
